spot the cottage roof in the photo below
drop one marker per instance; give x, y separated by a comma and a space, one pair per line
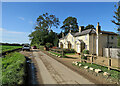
84, 32
90, 31
107, 32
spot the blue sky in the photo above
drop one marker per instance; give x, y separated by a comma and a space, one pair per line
18, 18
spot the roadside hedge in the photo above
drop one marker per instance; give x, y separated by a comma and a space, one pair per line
13, 69
69, 50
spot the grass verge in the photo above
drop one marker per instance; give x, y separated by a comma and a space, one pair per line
70, 54
58, 54
13, 69
55, 53
115, 74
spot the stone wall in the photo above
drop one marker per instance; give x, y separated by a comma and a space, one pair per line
113, 52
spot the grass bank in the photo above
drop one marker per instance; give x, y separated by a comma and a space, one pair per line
5, 48
13, 69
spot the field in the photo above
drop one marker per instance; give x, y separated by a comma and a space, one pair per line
13, 69
4, 48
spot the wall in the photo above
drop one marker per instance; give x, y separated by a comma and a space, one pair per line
103, 42
92, 43
85, 39
70, 38
113, 52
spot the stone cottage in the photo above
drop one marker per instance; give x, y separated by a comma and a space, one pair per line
91, 39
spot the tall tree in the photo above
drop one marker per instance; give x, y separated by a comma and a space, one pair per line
43, 33
46, 21
117, 16
89, 26
70, 23
117, 20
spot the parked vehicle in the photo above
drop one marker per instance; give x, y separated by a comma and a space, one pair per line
34, 47
26, 47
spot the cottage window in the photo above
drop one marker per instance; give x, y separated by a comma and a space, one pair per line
112, 37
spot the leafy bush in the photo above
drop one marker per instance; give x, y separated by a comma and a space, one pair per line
48, 45
85, 52
69, 51
84, 57
13, 69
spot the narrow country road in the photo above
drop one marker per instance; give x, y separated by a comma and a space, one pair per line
53, 72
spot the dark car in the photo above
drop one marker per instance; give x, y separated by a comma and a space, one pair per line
26, 47
34, 47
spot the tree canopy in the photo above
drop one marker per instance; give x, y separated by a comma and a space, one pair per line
89, 26
46, 21
43, 33
70, 23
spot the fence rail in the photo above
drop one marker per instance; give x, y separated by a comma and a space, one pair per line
92, 61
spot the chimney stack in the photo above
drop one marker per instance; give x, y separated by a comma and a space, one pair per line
98, 28
62, 35
81, 28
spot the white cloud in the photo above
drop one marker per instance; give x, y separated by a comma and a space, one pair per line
1, 29
21, 18
31, 22
9, 36
8, 31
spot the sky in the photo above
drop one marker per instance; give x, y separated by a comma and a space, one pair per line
18, 18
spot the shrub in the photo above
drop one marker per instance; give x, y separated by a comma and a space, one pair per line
85, 51
84, 57
69, 51
48, 45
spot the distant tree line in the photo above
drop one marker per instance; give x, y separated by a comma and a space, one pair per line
13, 44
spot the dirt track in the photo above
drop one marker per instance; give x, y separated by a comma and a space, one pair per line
53, 70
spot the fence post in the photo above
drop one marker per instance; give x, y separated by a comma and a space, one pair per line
109, 59
92, 60
109, 63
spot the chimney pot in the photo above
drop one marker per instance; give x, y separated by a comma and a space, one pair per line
98, 28
81, 28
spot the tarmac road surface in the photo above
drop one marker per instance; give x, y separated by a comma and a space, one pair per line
54, 72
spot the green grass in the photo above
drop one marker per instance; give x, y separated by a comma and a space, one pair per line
55, 53
13, 69
70, 54
8, 48
114, 73
60, 55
